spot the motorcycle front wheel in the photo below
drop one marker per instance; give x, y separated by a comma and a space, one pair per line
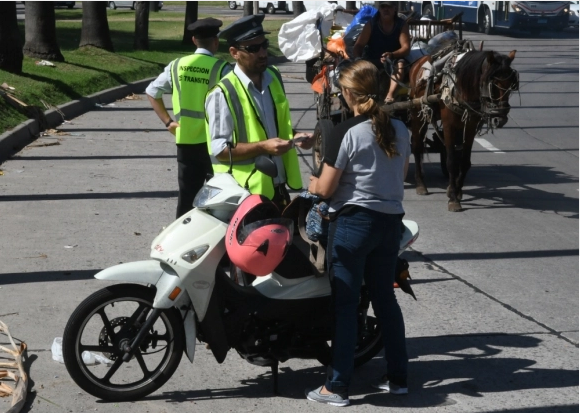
102, 325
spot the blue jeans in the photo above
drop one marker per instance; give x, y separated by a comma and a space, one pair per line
364, 244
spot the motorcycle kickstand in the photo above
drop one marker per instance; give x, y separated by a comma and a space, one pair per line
274, 368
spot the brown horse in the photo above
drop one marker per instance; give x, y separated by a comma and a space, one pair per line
475, 92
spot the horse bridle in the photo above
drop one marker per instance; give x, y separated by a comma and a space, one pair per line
491, 106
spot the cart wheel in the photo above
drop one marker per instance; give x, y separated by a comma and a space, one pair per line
317, 98
321, 134
323, 105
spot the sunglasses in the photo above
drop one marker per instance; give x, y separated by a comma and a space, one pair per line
255, 48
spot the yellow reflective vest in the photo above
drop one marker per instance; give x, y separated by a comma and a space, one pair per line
192, 76
248, 128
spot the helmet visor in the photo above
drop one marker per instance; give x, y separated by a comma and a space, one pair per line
246, 230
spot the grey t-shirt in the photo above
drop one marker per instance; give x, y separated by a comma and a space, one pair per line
370, 178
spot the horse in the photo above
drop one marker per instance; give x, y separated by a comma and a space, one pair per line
474, 91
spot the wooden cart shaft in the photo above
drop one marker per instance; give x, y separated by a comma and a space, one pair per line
413, 103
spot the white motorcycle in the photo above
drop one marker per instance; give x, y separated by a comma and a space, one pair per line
185, 293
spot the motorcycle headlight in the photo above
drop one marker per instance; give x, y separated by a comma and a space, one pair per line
195, 254
204, 195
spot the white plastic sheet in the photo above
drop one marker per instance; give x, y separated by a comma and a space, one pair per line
299, 39
89, 358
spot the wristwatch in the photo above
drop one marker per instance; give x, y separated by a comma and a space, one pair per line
168, 122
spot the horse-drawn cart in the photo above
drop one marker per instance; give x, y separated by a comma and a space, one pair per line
322, 73
458, 91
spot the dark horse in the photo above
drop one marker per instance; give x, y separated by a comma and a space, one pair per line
475, 91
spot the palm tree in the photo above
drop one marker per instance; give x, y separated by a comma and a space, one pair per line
40, 31
249, 8
95, 26
141, 41
191, 9
10, 45
298, 8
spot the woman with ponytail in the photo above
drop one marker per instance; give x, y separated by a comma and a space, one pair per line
363, 172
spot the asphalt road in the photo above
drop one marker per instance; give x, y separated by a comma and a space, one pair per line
520, 229
495, 327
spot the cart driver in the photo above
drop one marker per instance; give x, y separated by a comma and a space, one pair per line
385, 36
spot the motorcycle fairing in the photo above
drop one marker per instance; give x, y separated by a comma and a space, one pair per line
190, 332
191, 231
148, 272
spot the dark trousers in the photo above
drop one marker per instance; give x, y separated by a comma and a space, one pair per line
193, 166
364, 244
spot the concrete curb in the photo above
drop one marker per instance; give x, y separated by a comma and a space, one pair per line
15, 140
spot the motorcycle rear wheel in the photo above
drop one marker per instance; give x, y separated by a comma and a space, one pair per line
369, 344
105, 322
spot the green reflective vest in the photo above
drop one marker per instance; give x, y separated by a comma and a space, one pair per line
192, 76
248, 128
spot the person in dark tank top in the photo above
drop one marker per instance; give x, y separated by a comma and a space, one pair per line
385, 36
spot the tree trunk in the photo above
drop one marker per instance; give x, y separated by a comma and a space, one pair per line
191, 8
95, 26
154, 6
351, 5
141, 41
40, 31
248, 8
10, 44
298, 7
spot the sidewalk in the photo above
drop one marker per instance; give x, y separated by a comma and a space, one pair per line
98, 194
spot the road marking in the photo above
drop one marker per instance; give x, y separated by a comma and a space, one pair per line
487, 145
557, 63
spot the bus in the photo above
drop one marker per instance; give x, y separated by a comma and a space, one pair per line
532, 16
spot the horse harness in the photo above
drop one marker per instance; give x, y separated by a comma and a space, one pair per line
488, 109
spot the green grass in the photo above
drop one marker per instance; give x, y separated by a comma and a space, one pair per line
89, 70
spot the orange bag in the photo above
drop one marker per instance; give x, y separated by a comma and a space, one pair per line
319, 83
337, 46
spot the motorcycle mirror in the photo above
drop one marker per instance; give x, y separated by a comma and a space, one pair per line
267, 166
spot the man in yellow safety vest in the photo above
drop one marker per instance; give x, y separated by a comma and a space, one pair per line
189, 78
249, 108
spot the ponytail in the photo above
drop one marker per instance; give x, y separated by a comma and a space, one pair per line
362, 78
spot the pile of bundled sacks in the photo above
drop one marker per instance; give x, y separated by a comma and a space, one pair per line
301, 39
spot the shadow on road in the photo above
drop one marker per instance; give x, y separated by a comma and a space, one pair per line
470, 365
506, 186
46, 276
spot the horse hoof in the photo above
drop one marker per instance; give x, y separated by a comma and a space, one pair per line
454, 207
421, 190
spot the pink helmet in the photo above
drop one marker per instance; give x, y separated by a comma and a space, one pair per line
257, 238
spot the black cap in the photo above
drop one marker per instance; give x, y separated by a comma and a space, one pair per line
246, 28
205, 28
390, 3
